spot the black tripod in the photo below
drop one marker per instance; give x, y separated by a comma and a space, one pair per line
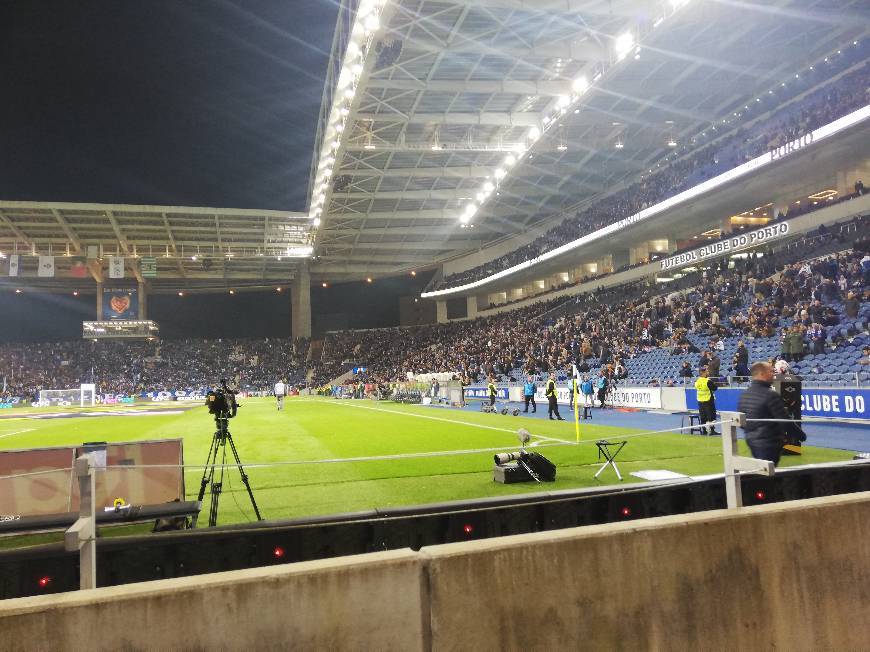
222, 436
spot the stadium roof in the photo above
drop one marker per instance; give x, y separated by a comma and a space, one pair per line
447, 125
193, 247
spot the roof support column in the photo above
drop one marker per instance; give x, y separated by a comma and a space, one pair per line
143, 300
99, 300
471, 306
300, 303
441, 312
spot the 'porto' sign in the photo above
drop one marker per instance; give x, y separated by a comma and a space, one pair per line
798, 143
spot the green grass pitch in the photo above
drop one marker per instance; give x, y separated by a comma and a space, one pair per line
317, 429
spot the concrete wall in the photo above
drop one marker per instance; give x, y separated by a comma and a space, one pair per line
790, 576
373, 602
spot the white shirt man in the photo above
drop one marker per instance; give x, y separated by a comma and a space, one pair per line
280, 393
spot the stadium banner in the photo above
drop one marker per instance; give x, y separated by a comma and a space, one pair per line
12, 402
57, 492
78, 268
726, 246
116, 267
115, 399
148, 267
120, 303
501, 393
46, 267
630, 397
853, 403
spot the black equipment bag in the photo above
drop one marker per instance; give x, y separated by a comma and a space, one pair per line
543, 468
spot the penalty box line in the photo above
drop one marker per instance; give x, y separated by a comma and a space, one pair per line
433, 418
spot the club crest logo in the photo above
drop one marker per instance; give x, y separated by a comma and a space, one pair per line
120, 304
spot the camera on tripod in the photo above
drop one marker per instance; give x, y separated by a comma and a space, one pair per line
221, 402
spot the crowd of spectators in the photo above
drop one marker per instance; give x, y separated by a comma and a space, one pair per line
800, 290
841, 96
744, 298
134, 367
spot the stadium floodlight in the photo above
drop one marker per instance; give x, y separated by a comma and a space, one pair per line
470, 210
481, 197
500, 173
488, 186
510, 160
563, 102
371, 23
316, 222
623, 44
534, 133
580, 85
345, 79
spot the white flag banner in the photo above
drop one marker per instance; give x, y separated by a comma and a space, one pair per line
46, 266
14, 262
116, 267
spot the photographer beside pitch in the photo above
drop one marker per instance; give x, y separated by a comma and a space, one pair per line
760, 401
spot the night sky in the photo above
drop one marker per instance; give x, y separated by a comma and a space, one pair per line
172, 102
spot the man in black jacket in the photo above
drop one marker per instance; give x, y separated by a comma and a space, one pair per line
760, 401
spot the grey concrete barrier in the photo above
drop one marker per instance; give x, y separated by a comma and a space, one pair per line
786, 576
364, 602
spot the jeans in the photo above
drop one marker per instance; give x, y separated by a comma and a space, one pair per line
766, 451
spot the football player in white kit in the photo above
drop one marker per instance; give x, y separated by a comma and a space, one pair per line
280, 393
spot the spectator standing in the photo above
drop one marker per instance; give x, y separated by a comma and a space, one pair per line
601, 386
714, 365
529, 390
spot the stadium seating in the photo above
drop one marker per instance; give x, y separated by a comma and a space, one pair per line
833, 97
649, 335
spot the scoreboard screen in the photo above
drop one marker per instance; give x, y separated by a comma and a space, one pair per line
119, 329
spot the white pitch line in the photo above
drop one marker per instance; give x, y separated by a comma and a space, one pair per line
17, 432
431, 418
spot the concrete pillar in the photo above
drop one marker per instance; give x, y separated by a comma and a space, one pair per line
620, 258
143, 301
99, 301
637, 254
441, 312
300, 302
471, 306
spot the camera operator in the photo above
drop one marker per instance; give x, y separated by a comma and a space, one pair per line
760, 401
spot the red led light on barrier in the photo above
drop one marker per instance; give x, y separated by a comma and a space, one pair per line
760, 495
278, 552
625, 511
44, 581
468, 528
